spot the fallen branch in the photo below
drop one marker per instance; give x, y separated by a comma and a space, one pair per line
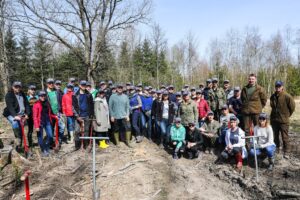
124, 171
287, 194
39, 157
156, 193
7, 183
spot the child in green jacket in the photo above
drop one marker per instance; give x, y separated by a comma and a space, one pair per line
177, 136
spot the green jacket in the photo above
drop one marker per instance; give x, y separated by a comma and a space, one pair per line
216, 98
188, 112
255, 103
211, 127
283, 106
177, 134
119, 106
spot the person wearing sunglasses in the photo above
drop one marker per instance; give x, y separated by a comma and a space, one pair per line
17, 106
177, 137
194, 141
235, 142
265, 141
283, 106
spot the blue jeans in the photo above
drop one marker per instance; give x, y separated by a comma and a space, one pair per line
45, 145
71, 123
165, 128
135, 122
222, 136
15, 125
61, 127
147, 124
269, 150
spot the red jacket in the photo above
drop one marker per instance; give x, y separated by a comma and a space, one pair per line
67, 104
203, 108
37, 114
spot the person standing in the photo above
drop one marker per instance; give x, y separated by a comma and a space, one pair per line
283, 106
42, 118
135, 103
119, 115
17, 107
207, 89
54, 98
202, 107
69, 103
102, 123
188, 111
146, 118
172, 96
84, 114
228, 91
217, 98
254, 99
235, 104
32, 98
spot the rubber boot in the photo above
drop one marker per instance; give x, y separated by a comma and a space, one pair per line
17, 140
29, 138
127, 139
71, 137
175, 156
239, 161
103, 145
190, 154
271, 163
117, 139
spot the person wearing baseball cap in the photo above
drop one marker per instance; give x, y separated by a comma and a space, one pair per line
69, 105
193, 93
91, 90
235, 143
74, 82
283, 106
207, 89
265, 141
32, 98
188, 110
172, 96
54, 98
209, 131
177, 133
227, 89
146, 117
42, 117
194, 141
202, 107
17, 106
217, 98
119, 109
135, 103
235, 104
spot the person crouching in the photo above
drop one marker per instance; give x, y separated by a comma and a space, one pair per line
177, 137
194, 141
235, 142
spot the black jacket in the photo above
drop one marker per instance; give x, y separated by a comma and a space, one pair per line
194, 136
90, 103
12, 105
172, 111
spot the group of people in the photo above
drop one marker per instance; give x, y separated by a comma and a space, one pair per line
210, 118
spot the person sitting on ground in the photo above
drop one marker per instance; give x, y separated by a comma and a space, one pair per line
177, 137
42, 118
265, 141
209, 131
235, 142
194, 141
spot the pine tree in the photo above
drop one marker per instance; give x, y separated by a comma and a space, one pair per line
42, 60
11, 53
137, 61
124, 63
24, 66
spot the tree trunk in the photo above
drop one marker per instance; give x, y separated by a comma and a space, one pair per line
3, 61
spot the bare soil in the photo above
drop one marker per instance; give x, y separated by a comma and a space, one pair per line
147, 172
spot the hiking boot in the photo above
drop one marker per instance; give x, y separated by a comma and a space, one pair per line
271, 164
71, 137
45, 154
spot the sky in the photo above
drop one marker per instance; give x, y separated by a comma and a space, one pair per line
210, 19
